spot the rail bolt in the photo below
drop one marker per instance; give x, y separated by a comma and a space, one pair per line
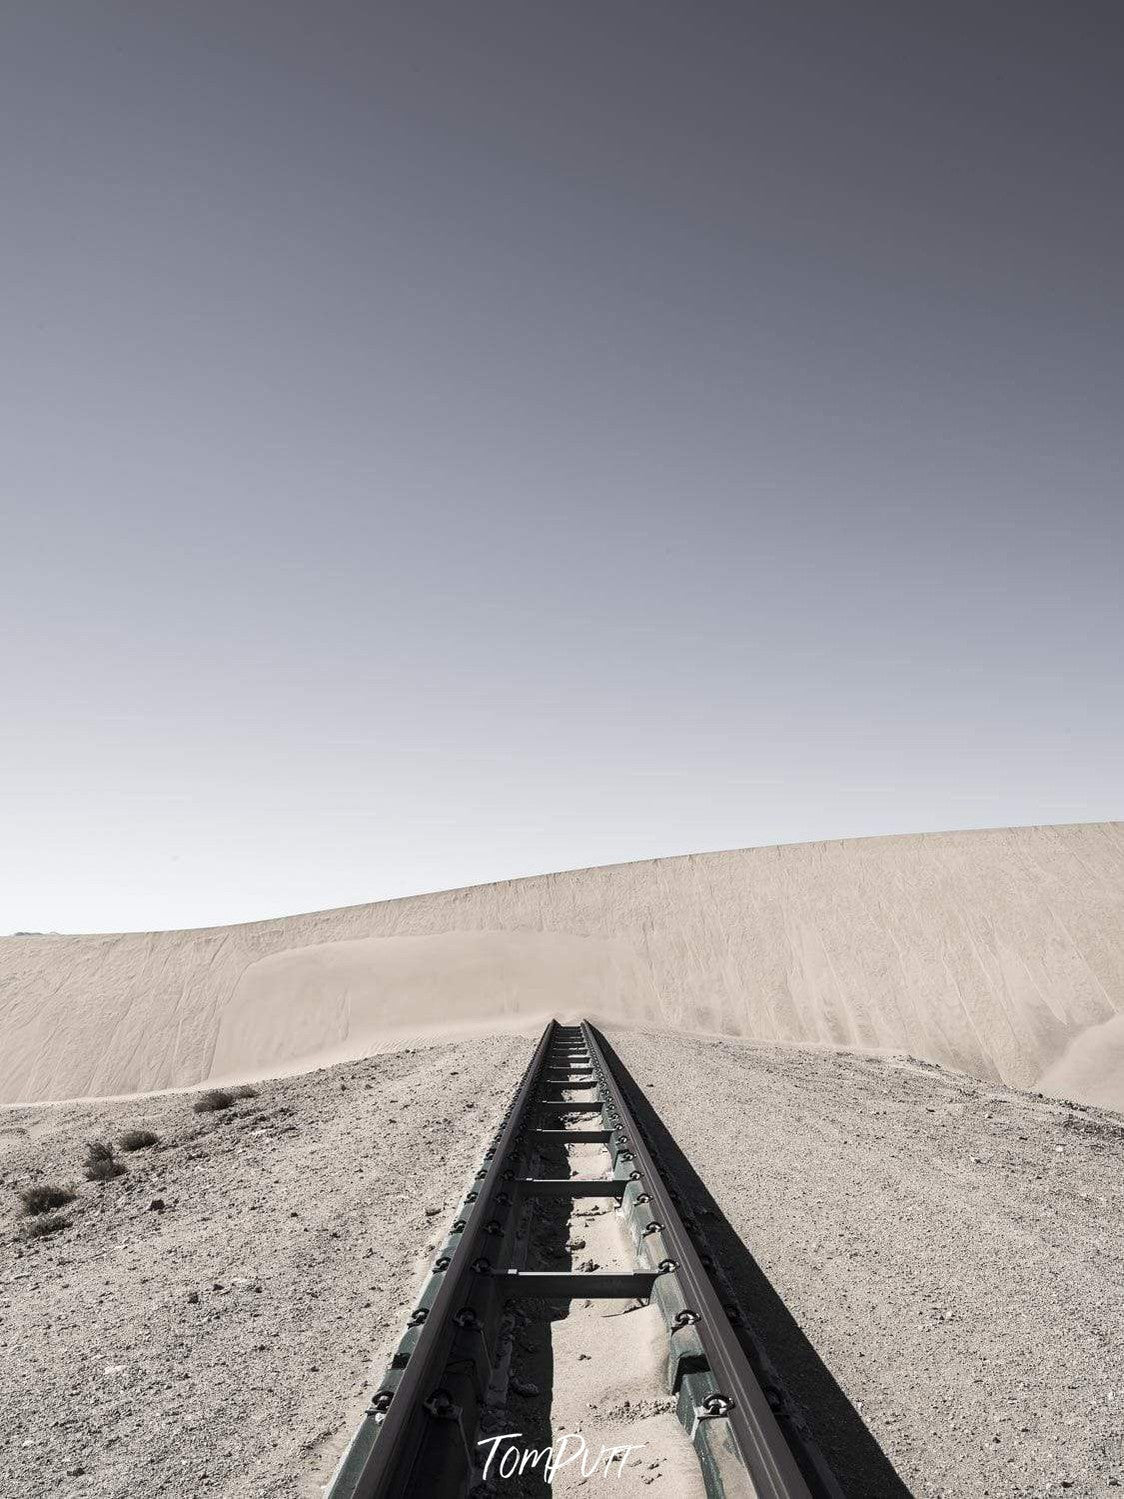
493, 1226
458, 1226
418, 1317
653, 1228
482, 1266
634, 1176
467, 1319
665, 1267
717, 1405
380, 1403
471, 1196
442, 1405
480, 1175
643, 1197
443, 1263
624, 1155
685, 1318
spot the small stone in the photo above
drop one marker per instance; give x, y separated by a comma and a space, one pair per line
156, 1205
193, 1298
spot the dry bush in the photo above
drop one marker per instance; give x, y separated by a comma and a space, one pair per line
213, 1100
38, 1228
137, 1139
44, 1198
243, 1090
101, 1163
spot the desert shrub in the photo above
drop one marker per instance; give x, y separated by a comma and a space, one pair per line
101, 1162
49, 1223
213, 1100
243, 1090
137, 1139
44, 1198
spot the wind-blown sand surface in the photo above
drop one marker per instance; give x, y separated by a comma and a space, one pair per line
952, 1250
999, 952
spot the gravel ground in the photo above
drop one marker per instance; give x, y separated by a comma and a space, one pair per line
953, 1251
223, 1345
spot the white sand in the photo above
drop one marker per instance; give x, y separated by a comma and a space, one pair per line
999, 952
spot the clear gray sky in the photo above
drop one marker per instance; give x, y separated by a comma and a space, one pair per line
444, 442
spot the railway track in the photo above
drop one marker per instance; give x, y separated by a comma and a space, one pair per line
421, 1437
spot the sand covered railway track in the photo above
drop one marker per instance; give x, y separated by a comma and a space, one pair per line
569, 1148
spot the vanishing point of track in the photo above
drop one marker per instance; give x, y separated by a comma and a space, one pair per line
419, 1435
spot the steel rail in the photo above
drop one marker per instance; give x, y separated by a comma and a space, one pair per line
768, 1458
417, 1436
378, 1475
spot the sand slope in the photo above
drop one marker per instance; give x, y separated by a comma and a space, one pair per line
998, 952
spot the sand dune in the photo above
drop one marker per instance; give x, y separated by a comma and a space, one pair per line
998, 952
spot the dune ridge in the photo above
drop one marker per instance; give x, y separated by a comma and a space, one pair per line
998, 952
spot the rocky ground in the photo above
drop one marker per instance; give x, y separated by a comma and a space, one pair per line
938, 1259
936, 1266
222, 1344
